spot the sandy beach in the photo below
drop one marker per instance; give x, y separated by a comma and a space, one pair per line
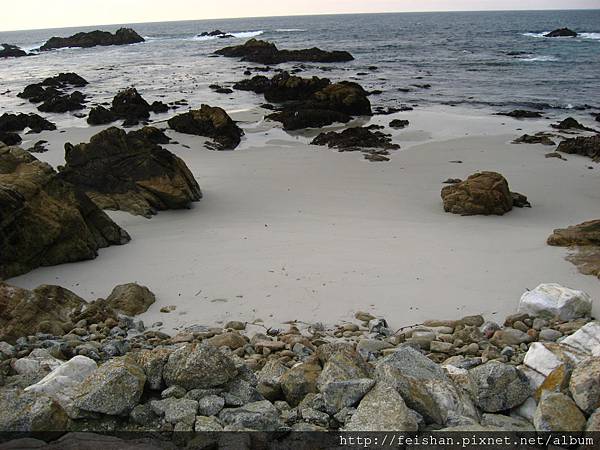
288, 231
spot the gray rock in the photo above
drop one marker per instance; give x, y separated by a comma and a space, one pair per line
343, 366
211, 405
593, 423
315, 417
269, 380
173, 391
382, 409
341, 394
506, 423
366, 347
7, 351
198, 394
549, 335
424, 386
261, 416
206, 424
498, 387
176, 410
114, 389
36, 365
243, 390
145, 416
585, 385
299, 381
557, 412
30, 412
153, 362
198, 366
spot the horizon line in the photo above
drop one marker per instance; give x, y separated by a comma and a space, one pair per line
300, 15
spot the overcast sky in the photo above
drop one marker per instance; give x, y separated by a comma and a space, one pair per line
32, 14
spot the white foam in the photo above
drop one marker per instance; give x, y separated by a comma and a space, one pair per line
595, 36
290, 30
536, 35
542, 58
240, 35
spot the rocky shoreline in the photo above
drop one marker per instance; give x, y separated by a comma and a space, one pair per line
536, 371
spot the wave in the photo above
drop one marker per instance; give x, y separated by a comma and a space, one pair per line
541, 58
595, 36
290, 30
239, 35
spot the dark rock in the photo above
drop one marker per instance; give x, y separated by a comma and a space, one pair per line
10, 138
308, 118
131, 106
258, 84
355, 138
267, 53
65, 79
99, 115
520, 200
212, 122
376, 157
570, 124
584, 146
398, 123
11, 51
38, 147
483, 193
153, 134
212, 33
18, 122
538, 138
45, 220
521, 114
128, 171
158, 107
63, 103
122, 36
586, 233
561, 32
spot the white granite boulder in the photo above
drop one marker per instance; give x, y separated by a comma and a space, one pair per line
554, 300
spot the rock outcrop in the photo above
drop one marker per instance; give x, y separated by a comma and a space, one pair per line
11, 51
484, 193
52, 96
562, 32
45, 220
521, 114
584, 242
264, 52
122, 36
570, 124
538, 138
128, 171
309, 102
19, 122
212, 122
127, 105
583, 145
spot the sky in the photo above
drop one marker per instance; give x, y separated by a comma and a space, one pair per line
34, 14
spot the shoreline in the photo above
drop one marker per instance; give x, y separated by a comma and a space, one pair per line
260, 225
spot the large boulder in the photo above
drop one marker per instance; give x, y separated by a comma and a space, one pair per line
46, 309
122, 36
131, 299
131, 106
61, 383
498, 387
260, 416
197, 366
300, 381
424, 386
127, 171
484, 193
586, 339
46, 220
264, 52
561, 32
212, 122
382, 409
114, 389
30, 412
556, 412
552, 300
152, 363
583, 145
269, 380
585, 385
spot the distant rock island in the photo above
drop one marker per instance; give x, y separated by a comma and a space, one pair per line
123, 36
562, 32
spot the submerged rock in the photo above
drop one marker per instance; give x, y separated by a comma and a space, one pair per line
484, 193
264, 52
127, 171
556, 301
521, 114
46, 221
122, 36
539, 138
212, 122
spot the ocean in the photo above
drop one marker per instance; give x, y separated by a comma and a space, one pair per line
496, 60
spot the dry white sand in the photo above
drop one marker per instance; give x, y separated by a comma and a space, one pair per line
290, 231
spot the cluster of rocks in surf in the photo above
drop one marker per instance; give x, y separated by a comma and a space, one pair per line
127, 105
78, 366
376, 145
50, 93
264, 52
11, 51
12, 124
